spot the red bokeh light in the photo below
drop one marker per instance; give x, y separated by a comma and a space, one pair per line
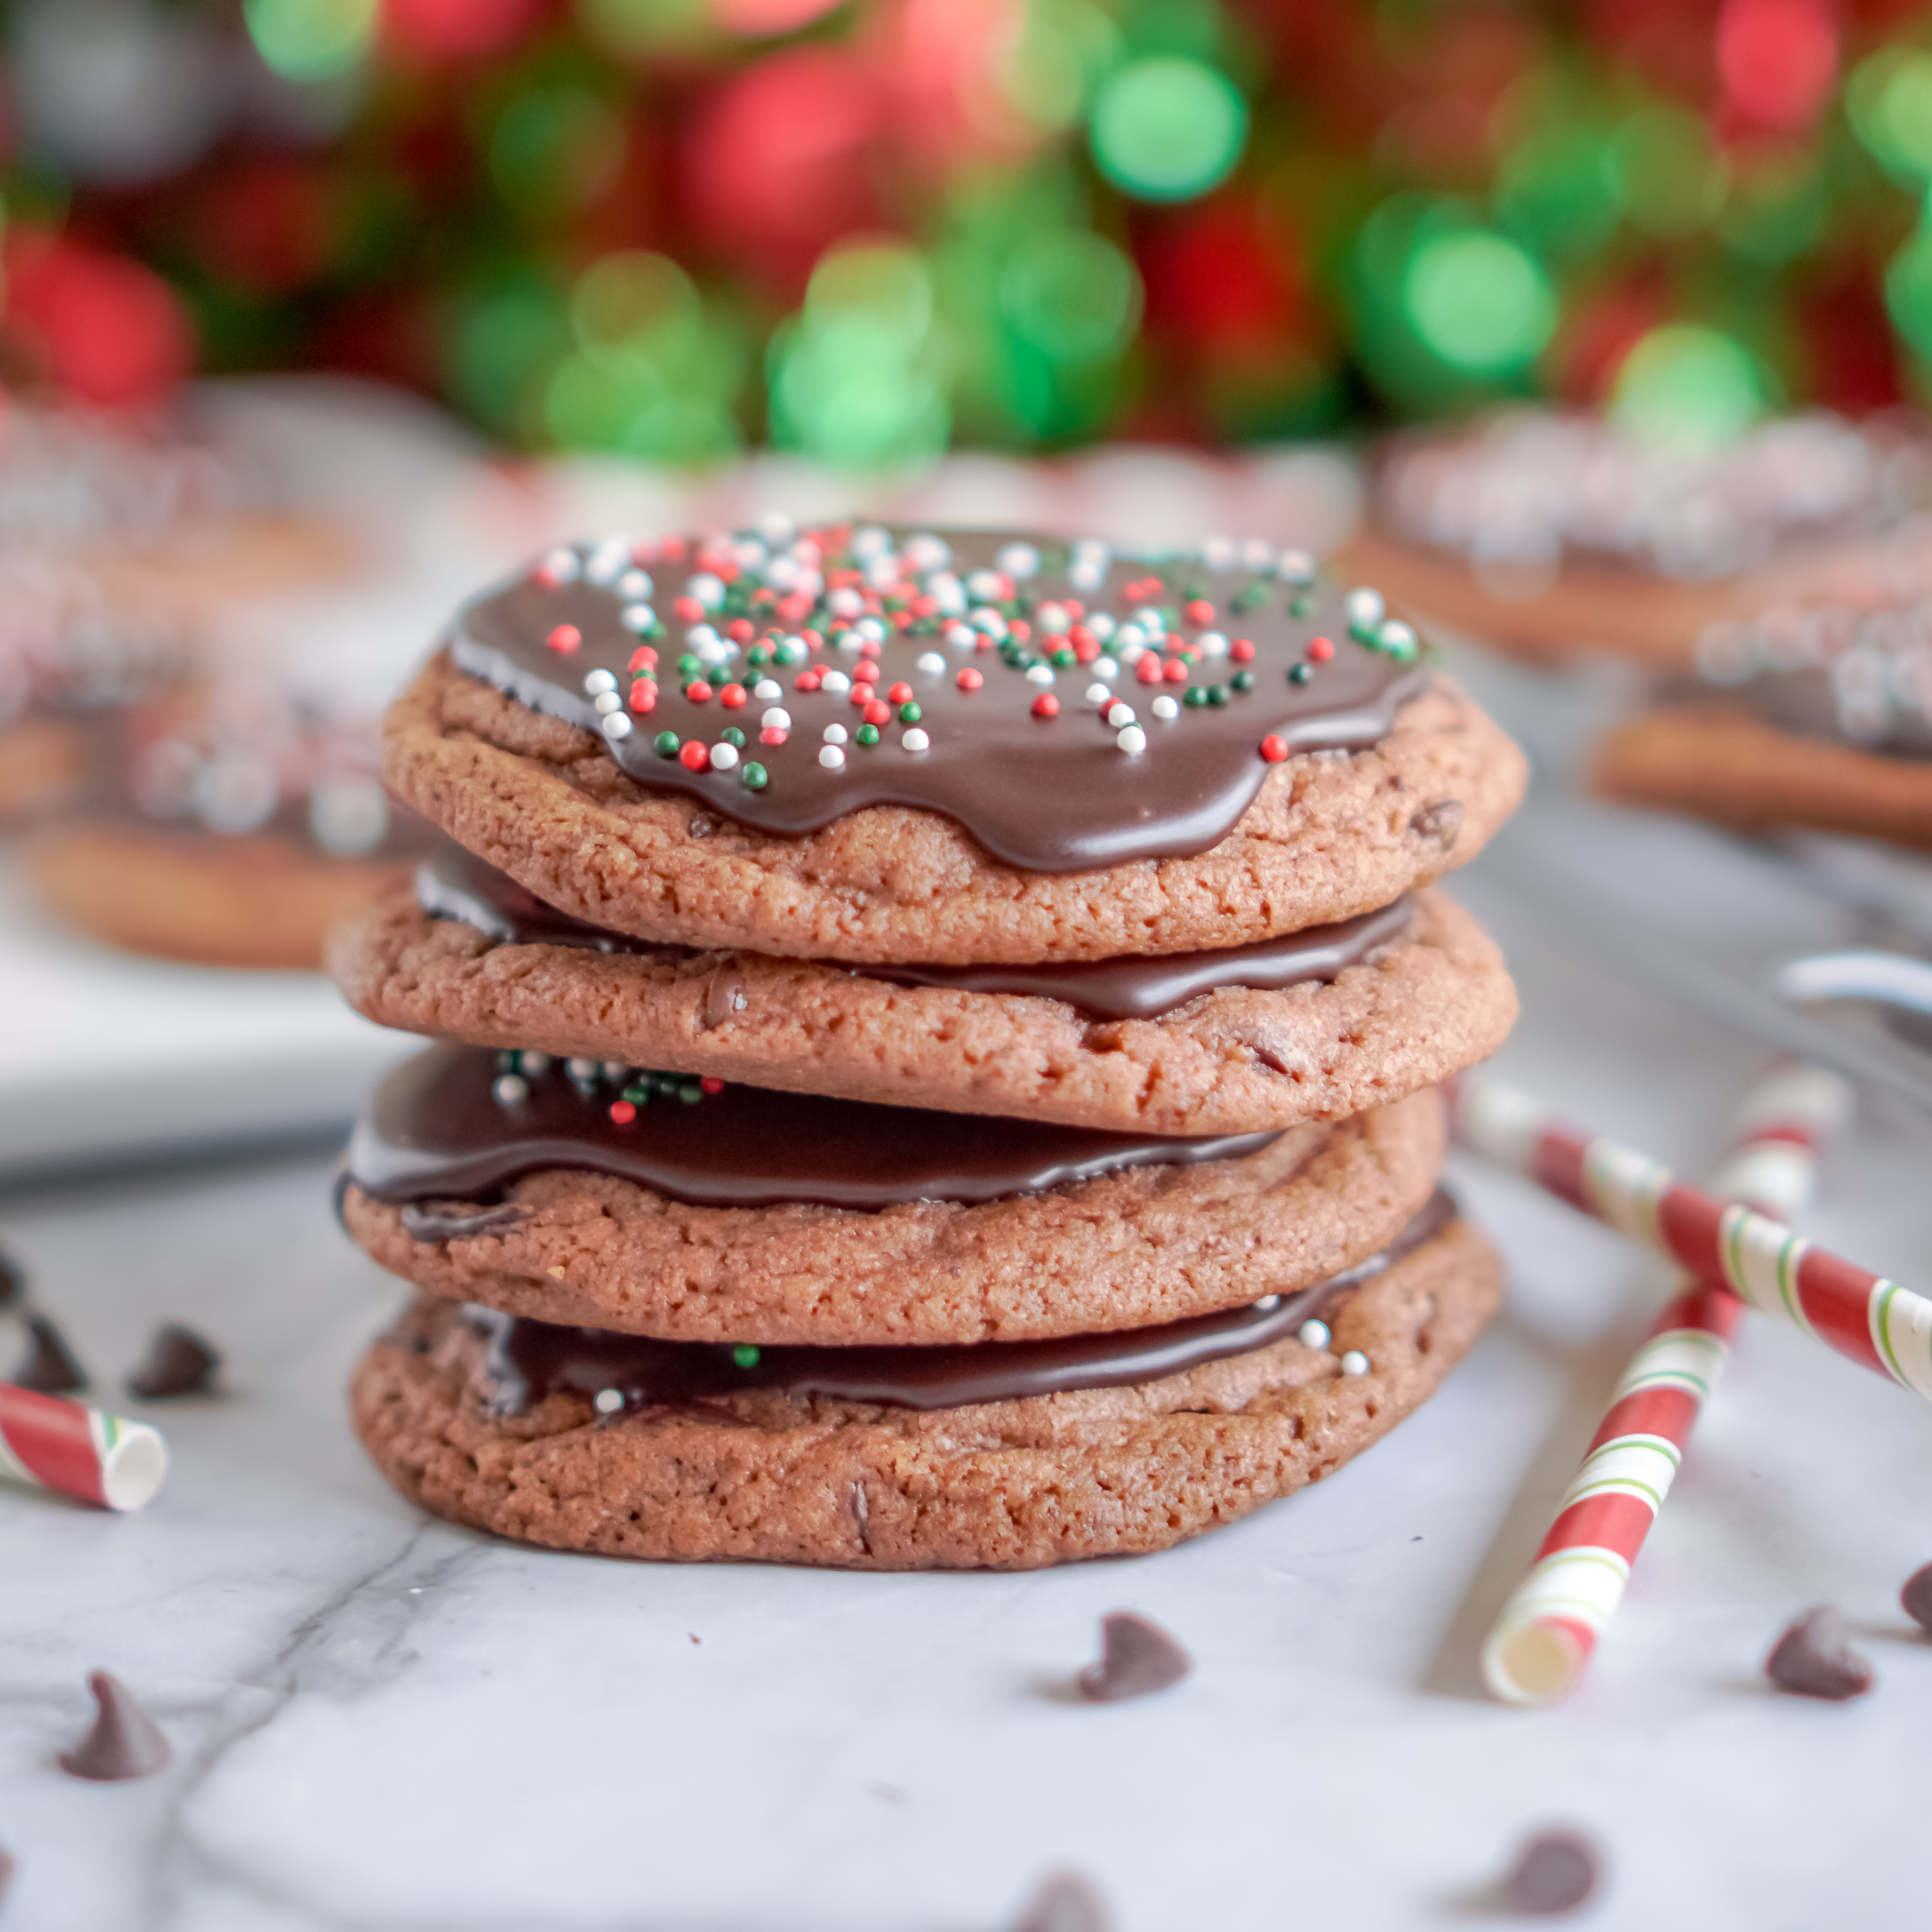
101, 328
1777, 59
450, 29
264, 226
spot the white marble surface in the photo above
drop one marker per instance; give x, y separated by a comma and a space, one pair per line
381, 1722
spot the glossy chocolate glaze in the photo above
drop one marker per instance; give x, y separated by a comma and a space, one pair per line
456, 884
529, 1360
435, 1129
1048, 795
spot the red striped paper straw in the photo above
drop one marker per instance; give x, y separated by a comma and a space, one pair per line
1543, 1639
1875, 1321
49, 1444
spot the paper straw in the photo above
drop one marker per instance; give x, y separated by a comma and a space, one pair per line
50, 1443
1543, 1639
1875, 1321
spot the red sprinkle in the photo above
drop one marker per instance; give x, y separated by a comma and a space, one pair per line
710, 1083
1175, 671
732, 696
1274, 749
796, 606
673, 547
698, 690
1077, 635
969, 679
644, 694
771, 735
1198, 611
877, 713
622, 1112
566, 638
808, 680
694, 757
813, 641
1085, 650
900, 694
1240, 650
643, 657
1320, 650
740, 630
1148, 669
1020, 628
687, 609
1046, 705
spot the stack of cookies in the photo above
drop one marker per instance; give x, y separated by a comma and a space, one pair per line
938, 1038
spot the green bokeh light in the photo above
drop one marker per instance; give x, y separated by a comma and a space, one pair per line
1479, 301
1776, 213
1168, 129
1688, 387
1889, 98
311, 40
1668, 175
636, 305
1558, 190
1060, 51
555, 148
1071, 294
1908, 292
504, 337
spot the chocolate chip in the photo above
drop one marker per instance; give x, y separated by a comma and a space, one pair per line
423, 1224
50, 1366
1555, 1871
1438, 823
1064, 1903
724, 995
178, 1363
1917, 1597
1814, 1657
1136, 1658
125, 1742
13, 1281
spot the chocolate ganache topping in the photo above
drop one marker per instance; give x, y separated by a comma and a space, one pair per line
1071, 709
448, 1124
456, 884
530, 1359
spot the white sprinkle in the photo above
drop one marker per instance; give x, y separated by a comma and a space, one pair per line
1054, 620
579, 1068
1039, 673
871, 627
1099, 693
1312, 1334
716, 652
724, 757
1295, 566
776, 527
1019, 561
871, 542
1165, 707
634, 583
1132, 740
599, 680
1101, 623
607, 1401
563, 566
1213, 644
707, 589
638, 617
849, 642
834, 734
1087, 575
957, 634
931, 663
845, 602
1396, 636
834, 681
1268, 1301
1120, 716
915, 740
831, 758
699, 635
1218, 553
1364, 607
533, 1062
1257, 554
986, 619
778, 718
608, 701
767, 690
615, 724
607, 560
615, 1070
512, 1088
1354, 1362
1105, 667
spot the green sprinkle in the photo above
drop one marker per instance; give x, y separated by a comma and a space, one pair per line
790, 651
1302, 607
690, 665
754, 776
760, 655
1250, 597
665, 1083
867, 734
691, 1093
1243, 680
1064, 659
1194, 697
1300, 673
1217, 694
638, 1097
746, 1354
665, 744
732, 735
909, 714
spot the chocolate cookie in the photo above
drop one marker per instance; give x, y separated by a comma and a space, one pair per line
1011, 1482
760, 1216
1318, 1024
780, 1474
1720, 760
1549, 535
